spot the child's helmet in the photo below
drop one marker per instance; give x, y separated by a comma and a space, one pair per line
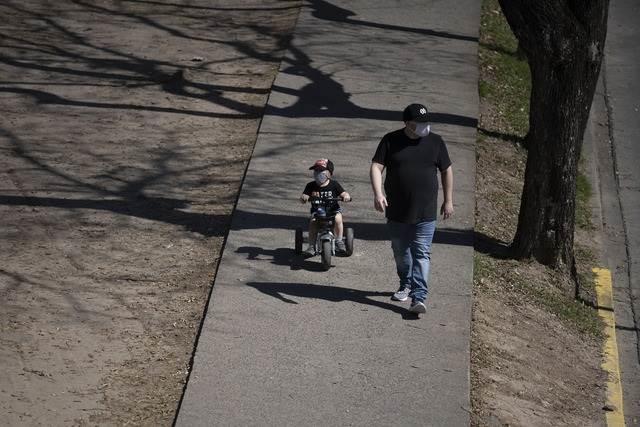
323, 164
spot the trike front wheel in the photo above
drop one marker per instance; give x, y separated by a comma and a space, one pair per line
326, 254
348, 241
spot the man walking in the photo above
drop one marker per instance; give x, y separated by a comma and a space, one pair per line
412, 157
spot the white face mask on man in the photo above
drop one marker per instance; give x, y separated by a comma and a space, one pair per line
321, 176
421, 129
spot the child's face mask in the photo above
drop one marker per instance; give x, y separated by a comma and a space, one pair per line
321, 176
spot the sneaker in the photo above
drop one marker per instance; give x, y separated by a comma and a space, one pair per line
340, 246
401, 295
418, 307
310, 251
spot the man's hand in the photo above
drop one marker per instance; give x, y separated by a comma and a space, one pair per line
304, 198
380, 203
446, 210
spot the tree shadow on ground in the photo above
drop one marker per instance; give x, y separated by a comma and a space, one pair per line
74, 53
282, 292
128, 199
329, 12
516, 139
326, 97
491, 246
71, 57
323, 97
161, 209
244, 220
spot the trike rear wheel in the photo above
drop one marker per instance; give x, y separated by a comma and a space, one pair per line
298, 240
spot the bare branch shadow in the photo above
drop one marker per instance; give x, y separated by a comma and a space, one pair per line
325, 97
129, 199
324, 10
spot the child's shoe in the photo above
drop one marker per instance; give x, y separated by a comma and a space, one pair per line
310, 251
340, 246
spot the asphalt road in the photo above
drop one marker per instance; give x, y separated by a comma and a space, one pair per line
617, 157
284, 343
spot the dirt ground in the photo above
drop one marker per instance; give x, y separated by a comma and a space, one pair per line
125, 130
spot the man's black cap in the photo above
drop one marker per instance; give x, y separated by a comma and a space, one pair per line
415, 113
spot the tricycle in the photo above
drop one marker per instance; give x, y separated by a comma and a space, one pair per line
325, 238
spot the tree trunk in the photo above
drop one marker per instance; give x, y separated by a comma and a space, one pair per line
564, 44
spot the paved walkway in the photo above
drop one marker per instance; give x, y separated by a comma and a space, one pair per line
286, 344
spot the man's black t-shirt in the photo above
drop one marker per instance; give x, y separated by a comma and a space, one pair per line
332, 189
411, 183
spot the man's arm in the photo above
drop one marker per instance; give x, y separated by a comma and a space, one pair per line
447, 191
375, 173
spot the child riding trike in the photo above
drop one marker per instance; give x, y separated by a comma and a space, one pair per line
324, 219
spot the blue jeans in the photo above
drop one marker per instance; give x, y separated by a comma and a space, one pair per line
411, 244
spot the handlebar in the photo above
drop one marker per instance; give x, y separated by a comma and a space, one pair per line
316, 199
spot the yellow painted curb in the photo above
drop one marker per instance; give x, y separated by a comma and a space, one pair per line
615, 417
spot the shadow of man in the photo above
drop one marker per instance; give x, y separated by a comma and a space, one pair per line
284, 292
